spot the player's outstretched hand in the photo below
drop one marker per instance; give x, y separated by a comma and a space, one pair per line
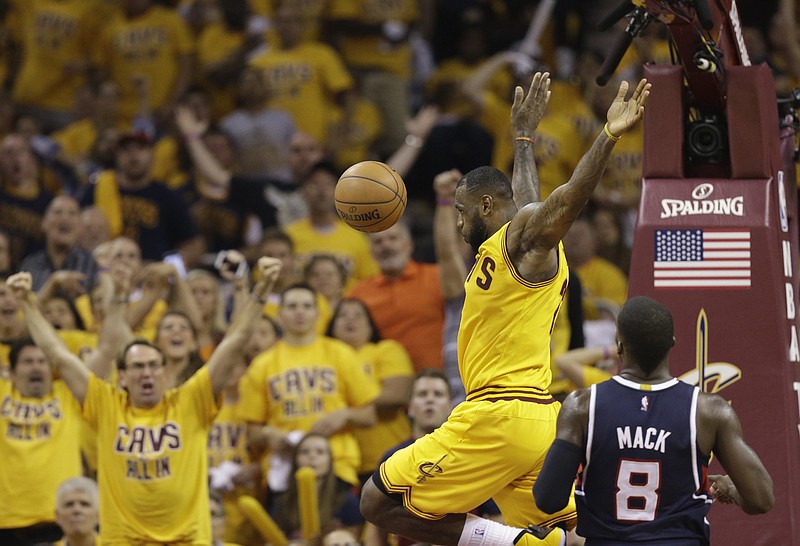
21, 285
624, 114
528, 110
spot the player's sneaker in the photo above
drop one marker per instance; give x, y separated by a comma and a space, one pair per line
537, 536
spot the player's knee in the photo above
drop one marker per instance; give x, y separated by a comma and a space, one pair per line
369, 502
374, 503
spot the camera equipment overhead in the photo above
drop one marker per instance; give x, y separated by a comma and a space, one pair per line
716, 235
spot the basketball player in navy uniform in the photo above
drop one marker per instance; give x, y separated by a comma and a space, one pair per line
644, 440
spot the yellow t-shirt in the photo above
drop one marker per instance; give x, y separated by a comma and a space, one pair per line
601, 280
557, 150
350, 246
382, 360
146, 330
149, 46
567, 102
304, 81
153, 462
79, 342
366, 127
454, 72
39, 449
216, 44
592, 376
506, 323
227, 441
54, 34
370, 51
77, 138
291, 388
166, 166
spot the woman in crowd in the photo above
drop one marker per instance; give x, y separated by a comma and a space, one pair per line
327, 276
177, 339
387, 362
338, 502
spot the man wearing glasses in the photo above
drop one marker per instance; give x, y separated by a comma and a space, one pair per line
152, 453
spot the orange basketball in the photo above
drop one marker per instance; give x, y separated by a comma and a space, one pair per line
370, 196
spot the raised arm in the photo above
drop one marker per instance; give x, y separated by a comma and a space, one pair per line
229, 270
541, 227
181, 298
67, 365
418, 127
476, 84
749, 484
452, 269
115, 332
214, 180
526, 113
65, 282
229, 351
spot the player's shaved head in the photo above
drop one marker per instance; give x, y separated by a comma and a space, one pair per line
646, 330
487, 180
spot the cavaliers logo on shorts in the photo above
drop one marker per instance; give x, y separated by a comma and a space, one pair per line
428, 469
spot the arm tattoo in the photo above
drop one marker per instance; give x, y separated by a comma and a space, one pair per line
589, 170
555, 216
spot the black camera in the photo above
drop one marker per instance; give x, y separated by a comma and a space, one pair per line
707, 140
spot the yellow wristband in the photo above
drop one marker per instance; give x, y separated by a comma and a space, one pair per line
525, 138
608, 133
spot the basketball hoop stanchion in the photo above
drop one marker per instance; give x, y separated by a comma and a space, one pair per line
716, 241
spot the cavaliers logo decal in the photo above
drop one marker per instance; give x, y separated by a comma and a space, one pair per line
429, 470
709, 376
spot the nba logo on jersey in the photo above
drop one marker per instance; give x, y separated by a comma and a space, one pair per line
645, 403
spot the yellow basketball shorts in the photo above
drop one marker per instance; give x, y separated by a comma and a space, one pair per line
484, 450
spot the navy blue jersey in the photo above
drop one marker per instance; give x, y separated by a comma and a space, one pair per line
644, 478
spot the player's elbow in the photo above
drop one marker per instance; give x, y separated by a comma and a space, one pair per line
548, 502
762, 504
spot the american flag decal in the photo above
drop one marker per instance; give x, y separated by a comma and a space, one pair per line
702, 258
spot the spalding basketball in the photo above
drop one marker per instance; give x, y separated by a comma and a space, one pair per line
370, 196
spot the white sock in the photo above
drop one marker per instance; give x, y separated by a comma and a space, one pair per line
484, 532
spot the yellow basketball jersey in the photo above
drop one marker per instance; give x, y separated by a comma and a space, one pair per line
153, 462
39, 449
506, 325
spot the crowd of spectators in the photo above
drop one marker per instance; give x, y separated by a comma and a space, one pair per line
152, 151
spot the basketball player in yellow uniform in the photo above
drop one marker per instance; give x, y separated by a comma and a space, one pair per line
152, 441
494, 443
